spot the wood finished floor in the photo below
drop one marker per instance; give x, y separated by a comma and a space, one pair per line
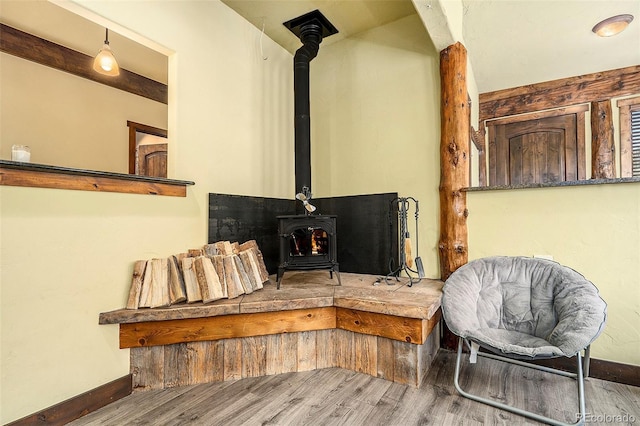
335, 396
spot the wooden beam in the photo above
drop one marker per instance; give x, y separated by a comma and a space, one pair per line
581, 142
430, 324
559, 93
45, 52
454, 167
478, 139
574, 109
454, 148
603, 161
390, 326
225, 327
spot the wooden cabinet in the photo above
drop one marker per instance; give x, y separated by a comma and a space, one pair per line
152, 160
537, 149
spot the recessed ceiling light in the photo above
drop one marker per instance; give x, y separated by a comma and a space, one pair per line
612, 26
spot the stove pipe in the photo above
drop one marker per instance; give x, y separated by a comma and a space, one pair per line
310, 28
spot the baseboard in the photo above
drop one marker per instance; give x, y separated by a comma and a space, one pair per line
599, 369
80, 405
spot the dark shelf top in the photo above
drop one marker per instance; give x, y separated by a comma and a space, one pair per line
83, 172
555, 184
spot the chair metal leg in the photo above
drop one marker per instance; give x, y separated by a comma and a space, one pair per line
579, 378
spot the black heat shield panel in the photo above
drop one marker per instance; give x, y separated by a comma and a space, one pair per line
367, 232
243, 218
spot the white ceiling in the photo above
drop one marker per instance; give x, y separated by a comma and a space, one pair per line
518, 42
509, 42
348, 16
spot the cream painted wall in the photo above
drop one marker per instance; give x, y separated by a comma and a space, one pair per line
375, 101
593, 229
66, 256
67, 120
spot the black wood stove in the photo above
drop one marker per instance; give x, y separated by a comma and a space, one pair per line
307, 242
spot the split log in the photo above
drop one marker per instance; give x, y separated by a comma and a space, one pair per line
224, 247
196, 252
145, 292
250, 262
210, 250
246, 263
210, 286
603, 161
159, 283
177, 292
136, 284
249, 244
204, 274
264, 275
235, 248
232, 278
218, 265
219, 245
179, 258
192, 287
242, 273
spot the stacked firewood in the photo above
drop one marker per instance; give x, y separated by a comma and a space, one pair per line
215, 271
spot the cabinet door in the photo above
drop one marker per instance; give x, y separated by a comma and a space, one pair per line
543, 150
152, 160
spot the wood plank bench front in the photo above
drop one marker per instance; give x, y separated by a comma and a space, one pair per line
386, 331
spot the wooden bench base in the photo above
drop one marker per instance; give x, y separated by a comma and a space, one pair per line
386, 331
158, 367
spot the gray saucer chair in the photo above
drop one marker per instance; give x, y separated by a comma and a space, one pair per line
521, 309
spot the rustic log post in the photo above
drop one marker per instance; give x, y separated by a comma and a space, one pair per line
603, 161
454, 165
454, 159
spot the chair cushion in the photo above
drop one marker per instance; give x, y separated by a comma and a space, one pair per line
523, 306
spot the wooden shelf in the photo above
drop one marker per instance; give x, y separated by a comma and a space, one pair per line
14, 173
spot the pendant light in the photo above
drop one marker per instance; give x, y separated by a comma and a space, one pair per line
105, 63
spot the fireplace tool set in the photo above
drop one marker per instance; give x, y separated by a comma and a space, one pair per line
405, 261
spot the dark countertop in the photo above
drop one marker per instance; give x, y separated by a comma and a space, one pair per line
93, 173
